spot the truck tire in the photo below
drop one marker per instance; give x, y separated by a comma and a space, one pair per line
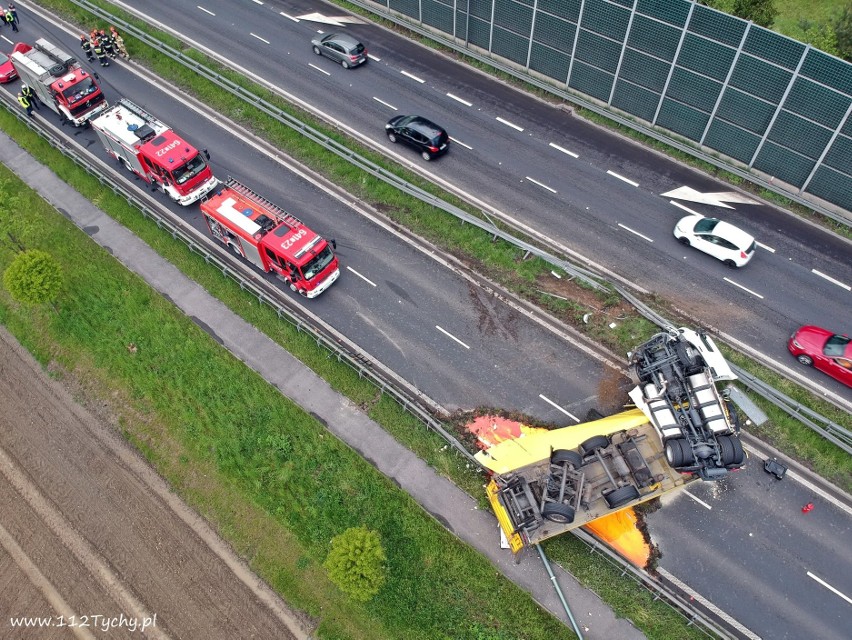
559, 513
592, 444
561, 456
732, 451
679, 453
621, 496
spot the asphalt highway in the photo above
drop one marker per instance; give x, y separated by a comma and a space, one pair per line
464, 348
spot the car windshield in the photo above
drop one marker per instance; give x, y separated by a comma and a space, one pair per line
836, 345
706, 225
318, 263
189, 170
79, 91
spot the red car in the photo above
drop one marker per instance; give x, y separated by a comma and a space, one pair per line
7, 71
827, 351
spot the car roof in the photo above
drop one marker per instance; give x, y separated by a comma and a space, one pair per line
342, 38
424, 126
724, 229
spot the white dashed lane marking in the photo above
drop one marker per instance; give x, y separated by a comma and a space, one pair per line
556, 406
644, 237
831, 280
457, 99
204, 10
509, 124
451, 336
627, 180
747, 290
563, 150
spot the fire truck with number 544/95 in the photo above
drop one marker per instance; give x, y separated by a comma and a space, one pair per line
270, 238
155, 153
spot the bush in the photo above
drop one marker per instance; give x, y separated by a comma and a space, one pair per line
34, 277
356, 563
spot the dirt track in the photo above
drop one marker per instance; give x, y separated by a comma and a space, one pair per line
88, 529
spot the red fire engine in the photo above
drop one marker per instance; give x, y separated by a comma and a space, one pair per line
271, 238
151, 150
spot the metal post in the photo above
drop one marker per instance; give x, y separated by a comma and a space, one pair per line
491, 30
467, 24
674, 62
621, 56
727, 81
559, 591
780, 104
532, 31
419, 11
827, 147
574, 46
455, 13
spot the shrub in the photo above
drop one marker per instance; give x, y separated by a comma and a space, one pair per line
356, 563
34, 277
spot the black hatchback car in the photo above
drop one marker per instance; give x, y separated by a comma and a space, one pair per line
425, 136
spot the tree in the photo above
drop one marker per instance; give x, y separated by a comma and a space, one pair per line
356, 563
843, 34
761, 12
34, 277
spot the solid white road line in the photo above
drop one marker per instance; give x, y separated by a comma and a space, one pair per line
542, 185
457, 99
466, 146
205, 10
450, 335
763, 246
748, 633
509, 124
312, 65
726, 279
831, 280
830, 588
553, 404
687, 209
413, 77
698, 500
634, 232
390, 106
563, 150
627, 180
254, 35
365, 279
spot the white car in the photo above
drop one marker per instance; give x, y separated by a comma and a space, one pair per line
721, 240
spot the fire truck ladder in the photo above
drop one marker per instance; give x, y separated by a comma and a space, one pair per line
137, 110
288, 218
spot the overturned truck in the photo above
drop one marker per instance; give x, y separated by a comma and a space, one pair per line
677, 370
682, 430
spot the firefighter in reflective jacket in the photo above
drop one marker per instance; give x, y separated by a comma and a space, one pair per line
100, 53
26, 104
30, 95
86, 46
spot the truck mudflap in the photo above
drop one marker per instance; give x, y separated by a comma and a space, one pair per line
516, 543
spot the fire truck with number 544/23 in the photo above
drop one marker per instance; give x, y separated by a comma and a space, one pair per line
270, 238
154, 152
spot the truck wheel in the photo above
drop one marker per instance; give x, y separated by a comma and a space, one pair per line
732, 451
621, 496
592, 444
560, 513
126, 165
293, 287
561, 456
678, 453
